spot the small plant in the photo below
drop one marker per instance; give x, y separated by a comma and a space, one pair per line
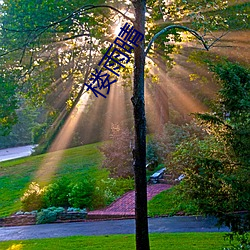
48, 215
109, 189
57, 193
81, 194
33, 197
76, 210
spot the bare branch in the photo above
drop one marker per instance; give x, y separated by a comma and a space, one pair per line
193, 32
218, 38
113, 8
42, 29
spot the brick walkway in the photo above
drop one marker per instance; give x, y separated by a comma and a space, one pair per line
124, 207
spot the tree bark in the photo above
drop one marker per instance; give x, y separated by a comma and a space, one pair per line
139, 151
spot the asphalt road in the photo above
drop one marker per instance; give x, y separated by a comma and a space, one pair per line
156, 225
14, 153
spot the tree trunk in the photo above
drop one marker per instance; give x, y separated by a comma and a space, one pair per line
139, 151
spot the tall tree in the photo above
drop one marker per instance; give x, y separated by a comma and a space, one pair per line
139, 151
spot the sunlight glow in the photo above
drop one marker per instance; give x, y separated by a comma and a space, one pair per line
115, 110
170, 93
15, 247
117, 29
52, 159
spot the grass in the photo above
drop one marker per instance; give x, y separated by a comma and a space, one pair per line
16, 175
169, 203
170, 241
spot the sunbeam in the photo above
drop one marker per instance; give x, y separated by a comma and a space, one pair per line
50, 163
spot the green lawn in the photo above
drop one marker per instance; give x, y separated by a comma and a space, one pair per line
170, 241
16, 175
169, 202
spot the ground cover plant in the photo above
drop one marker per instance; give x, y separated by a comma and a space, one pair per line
170, 241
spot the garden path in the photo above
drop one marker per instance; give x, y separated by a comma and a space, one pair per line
124, 207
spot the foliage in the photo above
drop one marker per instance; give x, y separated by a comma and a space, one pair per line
118, 154
22, 132
81, 194
16, 175
65, 193
57, 193
108, 190
8, 105
51, 51
103, 193
32, 199
73, 209
243, 242
204, 174
166, 141
216, 168
48, 215
92, 192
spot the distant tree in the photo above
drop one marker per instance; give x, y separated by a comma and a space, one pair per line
118, 155
8, 105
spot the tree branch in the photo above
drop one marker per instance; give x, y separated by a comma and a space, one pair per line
42, 29
193, 32
74, 13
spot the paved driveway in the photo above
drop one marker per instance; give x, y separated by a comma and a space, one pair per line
159, 225
14, 153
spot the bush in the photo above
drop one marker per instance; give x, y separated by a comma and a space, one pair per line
33, 198
81, 194
48, 215
103, 194
123, 185
109, 189
38, 131
166, 141
57, 193
152, 155
243, 242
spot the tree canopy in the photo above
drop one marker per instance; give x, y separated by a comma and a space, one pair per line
54, 45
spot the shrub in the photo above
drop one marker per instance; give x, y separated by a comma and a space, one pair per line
166, 141
33, 197
243, 242
81, 194
123, 185
152, 155
109, 189
73, 209
57, 193
103, 194
48, 215
38, 131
